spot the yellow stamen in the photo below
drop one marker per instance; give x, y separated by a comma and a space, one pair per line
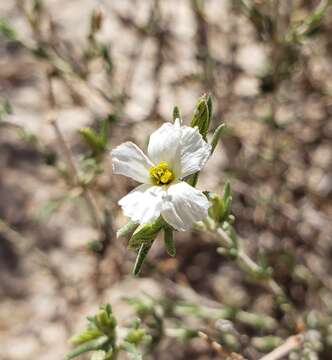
161, 174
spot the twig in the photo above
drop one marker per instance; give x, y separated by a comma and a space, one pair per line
91, 202
292, 343
219, 349
249, 263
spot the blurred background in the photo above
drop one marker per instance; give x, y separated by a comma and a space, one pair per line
118, 68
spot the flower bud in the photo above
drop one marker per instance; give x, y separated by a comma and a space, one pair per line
105, 321
202, 115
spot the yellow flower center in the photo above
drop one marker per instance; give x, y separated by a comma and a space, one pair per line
161, 174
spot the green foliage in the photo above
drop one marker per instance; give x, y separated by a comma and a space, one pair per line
95, 245
312, 22
141, 255
266, 343
96, 140
216, 137
5, 108
220, 209
87, 346
100, 334
92, 332
169, 241
7, 31
202, 115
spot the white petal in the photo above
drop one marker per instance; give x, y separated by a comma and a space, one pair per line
129, 160
183, 206
143, 204
164, 145
194, 151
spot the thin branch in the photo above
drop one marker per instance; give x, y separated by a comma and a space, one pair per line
219, 349
292, 343
90, 200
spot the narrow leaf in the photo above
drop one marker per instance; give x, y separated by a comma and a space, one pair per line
142, 253
169, 241
227, 191
95, 344
85, 336
209, 105
7, 30
216, 137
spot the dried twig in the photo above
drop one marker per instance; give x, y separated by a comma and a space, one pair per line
219, 349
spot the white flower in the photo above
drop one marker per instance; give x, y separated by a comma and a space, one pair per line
174, 152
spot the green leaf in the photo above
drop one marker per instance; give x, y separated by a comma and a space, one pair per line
227, 191
192, 179
127, 229
209, 105
105, 321
95, 245
95, 344
313, 21
92, 139
132, 350
142, 253
266, 343
104, 51
85, 335
104, 131
7, 30
217, 209
135, 336
169, 241
216, 137
97, 141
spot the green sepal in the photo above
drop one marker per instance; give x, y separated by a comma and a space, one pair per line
145, 234
91, 345
169, 241
216, 137
142, 253
192, 179
127, 229
177, 114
